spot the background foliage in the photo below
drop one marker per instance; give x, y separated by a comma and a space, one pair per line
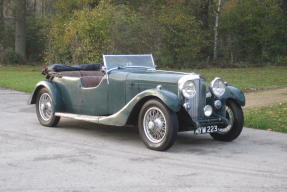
179, 33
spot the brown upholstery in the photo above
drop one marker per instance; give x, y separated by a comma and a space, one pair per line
91, 81
91, 73
88, 78
70, 73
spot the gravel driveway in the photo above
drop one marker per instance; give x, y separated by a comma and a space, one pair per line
80, 156
266, 97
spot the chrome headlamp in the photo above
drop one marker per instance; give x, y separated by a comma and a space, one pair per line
218, 87
188, 90
187, 86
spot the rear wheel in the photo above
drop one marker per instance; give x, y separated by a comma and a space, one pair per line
235, 116
157, 125
45, 110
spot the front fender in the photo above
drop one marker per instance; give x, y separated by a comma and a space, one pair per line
55, 94
170, 99
121, 117
234, 94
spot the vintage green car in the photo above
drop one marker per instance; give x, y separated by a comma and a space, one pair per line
128, 90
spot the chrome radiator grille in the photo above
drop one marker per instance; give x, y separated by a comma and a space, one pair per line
198, 102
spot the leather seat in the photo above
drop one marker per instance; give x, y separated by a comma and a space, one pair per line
88, 78
91, 81
91, 78
91, 73
70, 73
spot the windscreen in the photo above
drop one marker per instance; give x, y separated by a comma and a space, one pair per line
114, 61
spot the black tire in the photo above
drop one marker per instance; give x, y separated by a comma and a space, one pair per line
53, 120
236, 127
171, 125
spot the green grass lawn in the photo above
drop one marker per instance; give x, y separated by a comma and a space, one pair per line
24, 77
267, 118
248, 79
20, 77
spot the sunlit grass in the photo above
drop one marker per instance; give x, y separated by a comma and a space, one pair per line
24, 77
268, 118
248, 79
20, 77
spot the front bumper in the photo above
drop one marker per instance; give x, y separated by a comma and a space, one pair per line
186, 122
220, 122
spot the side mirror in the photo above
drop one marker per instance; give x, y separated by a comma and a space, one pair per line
103, 69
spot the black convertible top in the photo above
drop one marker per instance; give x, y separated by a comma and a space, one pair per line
52, 70
83, 67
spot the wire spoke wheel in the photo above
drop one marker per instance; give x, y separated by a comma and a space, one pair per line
230, 117
235, 117
154, 124
45, 107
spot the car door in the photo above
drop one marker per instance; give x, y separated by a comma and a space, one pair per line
117, 91
94, 100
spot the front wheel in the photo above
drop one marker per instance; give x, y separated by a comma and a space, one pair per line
157, 125
235, 116
45, 110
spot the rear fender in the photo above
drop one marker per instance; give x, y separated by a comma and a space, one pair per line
55, 94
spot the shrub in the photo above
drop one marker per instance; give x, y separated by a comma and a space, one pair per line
255, 31
10, 57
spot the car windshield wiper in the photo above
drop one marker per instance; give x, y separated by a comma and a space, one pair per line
125, 67
145, 67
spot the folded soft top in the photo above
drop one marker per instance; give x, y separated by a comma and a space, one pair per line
83, 67
53, 70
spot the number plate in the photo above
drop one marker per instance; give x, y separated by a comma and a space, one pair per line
207, 129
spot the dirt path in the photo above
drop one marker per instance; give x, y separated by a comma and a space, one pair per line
265, 98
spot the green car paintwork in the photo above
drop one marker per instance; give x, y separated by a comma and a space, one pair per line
120, 93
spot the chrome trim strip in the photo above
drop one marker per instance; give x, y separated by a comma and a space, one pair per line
70, 78
94, 119
177, 72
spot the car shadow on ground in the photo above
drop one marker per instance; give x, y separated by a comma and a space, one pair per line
186, 141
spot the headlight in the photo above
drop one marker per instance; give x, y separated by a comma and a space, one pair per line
207, 110
218, 87
188, 89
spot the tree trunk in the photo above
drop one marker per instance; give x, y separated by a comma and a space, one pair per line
1, 22
2, 29
20, 29
204, 13
283, 5
215, 50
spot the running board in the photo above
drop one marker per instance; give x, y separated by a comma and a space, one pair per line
94, 119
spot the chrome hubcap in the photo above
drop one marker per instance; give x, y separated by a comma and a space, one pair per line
154, 124
45, 107
230, 117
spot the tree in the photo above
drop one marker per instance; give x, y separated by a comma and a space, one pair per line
20, 28
215, 53
283, 5
257, 31
1, 21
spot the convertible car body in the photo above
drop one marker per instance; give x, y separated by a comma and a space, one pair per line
128, 90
